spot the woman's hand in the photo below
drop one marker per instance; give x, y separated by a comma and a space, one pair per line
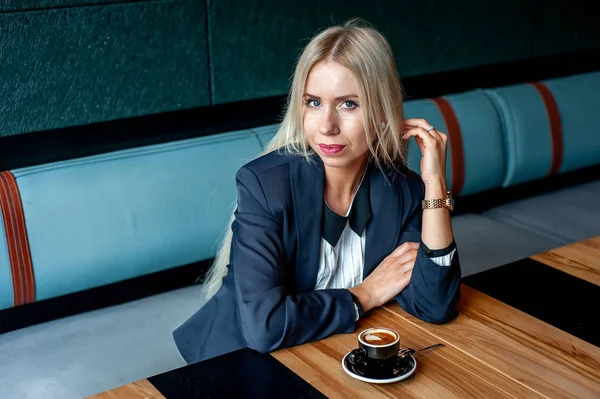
432, 144
389, 278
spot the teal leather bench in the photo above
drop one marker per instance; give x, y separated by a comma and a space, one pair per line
551, 128
107, 218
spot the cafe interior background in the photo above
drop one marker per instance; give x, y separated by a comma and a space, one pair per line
122, 124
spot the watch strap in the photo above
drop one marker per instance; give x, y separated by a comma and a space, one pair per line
358, 309
438, 202
436, 253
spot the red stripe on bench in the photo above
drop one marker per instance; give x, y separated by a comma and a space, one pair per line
17, 241
456, 145
555, 126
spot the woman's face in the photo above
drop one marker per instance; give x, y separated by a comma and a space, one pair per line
333, 117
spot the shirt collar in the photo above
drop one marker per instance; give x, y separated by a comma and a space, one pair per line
333, 224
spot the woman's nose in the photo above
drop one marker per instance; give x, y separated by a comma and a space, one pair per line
329, 123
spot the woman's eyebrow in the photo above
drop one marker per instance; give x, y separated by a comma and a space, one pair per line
347, 96
312, 96
337, 98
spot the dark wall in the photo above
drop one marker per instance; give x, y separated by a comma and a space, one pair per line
66, 63
253, 47
66, 66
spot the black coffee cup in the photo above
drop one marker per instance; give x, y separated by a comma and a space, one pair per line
377, 352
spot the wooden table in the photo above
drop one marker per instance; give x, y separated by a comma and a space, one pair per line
492, 349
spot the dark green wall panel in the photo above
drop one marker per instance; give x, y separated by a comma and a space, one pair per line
254, 44
72, 62
73, 66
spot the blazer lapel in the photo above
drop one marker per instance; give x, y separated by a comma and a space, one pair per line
307, 191
384, 228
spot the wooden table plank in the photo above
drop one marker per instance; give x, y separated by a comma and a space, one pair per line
542, 357
136, 390
545, 293
581, 259
443, 372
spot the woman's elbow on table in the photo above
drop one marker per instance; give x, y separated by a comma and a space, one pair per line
435, 290
259, 337
445, 308
261, 344
440, 316
262, 332
432, 307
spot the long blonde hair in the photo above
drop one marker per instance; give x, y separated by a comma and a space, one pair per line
367, 54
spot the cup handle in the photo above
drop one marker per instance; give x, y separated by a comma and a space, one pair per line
356, 355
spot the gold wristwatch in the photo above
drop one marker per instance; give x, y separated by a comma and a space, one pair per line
447, 202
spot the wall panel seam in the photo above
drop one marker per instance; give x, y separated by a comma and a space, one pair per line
88, 5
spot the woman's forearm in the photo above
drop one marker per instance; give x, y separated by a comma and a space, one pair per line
437, 229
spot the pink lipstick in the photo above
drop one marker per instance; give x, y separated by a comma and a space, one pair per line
331, 149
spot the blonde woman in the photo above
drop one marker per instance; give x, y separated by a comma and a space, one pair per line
330, 223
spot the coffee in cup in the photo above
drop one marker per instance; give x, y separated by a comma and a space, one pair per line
379, 336
377, 353
379, 343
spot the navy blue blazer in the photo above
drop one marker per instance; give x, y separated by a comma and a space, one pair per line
268, 301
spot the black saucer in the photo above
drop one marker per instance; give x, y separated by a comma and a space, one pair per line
376, 372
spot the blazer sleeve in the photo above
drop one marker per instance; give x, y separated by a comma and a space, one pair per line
272, 316
434, 291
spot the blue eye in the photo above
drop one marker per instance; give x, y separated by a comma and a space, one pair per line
313, 103
349, 104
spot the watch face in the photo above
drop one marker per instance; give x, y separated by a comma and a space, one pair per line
450, 201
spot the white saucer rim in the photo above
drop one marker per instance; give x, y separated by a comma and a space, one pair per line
374, 381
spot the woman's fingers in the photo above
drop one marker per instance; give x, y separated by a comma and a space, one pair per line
424, 139
424, 126
405, 247
407, 256
432, 144
417, 122
427, 137
393, 274
401, 262
406, 278
406, 262
420, 144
